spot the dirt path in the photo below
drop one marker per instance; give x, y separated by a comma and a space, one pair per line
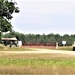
40, 51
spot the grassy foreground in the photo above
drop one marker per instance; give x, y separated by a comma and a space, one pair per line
36, 64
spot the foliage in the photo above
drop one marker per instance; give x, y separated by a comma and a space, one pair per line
7, 8
2, 46
5, 25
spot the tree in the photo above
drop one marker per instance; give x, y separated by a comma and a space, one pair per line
7, 8
51, 38
58, 38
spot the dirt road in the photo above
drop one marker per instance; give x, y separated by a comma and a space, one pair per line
40, 51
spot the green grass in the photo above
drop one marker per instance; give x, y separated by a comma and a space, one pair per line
69, 48
16, 49
34, 62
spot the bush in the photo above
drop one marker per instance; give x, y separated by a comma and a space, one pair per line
2, 46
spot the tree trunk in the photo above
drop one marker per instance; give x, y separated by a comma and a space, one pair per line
0, 28
0, 37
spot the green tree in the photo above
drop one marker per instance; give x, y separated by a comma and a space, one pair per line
58, 38
7, 8
51, 38
43, 39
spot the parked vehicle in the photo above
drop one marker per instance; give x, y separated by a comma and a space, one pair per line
73, 46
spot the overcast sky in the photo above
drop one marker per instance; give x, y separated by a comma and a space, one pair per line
45, 16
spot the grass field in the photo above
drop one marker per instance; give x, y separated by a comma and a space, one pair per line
16, 49
29, 48
36, 64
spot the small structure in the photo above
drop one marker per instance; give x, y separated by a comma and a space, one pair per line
10, 41
19, 43
64, 43
56, 45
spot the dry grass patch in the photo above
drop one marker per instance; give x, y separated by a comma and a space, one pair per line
69, 48
40, 70
37, 56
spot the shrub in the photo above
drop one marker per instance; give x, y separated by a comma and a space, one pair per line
2, 46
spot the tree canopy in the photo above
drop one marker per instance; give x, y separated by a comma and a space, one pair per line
7, 8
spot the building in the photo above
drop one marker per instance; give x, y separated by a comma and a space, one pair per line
10, 41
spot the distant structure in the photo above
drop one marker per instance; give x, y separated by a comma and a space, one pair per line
10, 41
56, 45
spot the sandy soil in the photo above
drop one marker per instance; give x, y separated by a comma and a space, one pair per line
40, 51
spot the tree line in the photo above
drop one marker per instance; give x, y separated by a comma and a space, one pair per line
41, 39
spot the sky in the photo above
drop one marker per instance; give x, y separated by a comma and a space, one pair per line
45, 16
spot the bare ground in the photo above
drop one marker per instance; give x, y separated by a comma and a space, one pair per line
40, 51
